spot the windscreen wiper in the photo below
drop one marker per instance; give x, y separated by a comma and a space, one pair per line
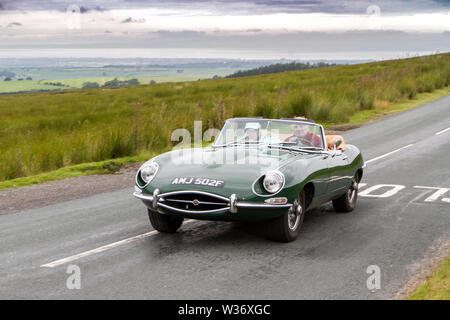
304, 150
240, 143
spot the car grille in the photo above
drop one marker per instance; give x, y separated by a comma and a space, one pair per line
194, 201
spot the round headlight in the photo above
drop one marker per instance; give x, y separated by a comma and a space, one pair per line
148, 171
273, 181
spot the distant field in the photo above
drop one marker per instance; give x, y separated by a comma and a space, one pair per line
75, 77
20, 86
40, 132
23, 85
120, 71
78, 83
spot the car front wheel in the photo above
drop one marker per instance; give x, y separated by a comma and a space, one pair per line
164, 223
286, 228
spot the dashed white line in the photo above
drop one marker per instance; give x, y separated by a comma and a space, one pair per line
389, 153
442, 131
103, 248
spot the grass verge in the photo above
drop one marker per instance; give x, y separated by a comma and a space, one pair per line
420, 99
114, 165
101, 167
381, 110
437, 287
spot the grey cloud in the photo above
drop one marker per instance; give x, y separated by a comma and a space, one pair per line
244, 7
14, 24
131, 20
87, 9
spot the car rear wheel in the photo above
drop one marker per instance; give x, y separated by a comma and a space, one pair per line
164, 223
347, 202
286, 228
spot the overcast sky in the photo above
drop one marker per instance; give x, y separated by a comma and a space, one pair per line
228, 28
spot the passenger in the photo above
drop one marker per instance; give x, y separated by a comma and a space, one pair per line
251, 132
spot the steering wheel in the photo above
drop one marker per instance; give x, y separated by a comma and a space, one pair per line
301, 140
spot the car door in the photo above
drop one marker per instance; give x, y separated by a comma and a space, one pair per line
339, 180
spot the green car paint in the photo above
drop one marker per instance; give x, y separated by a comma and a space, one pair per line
327, 175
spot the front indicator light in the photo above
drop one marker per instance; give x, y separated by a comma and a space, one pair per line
281, 200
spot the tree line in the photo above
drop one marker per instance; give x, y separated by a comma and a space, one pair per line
112, 83
277, 68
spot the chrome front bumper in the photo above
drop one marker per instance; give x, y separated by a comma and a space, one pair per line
158, 200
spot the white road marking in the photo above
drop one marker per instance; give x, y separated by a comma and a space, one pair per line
393, 189
440, 192
361, 185
442, 131
103, 248
389, 153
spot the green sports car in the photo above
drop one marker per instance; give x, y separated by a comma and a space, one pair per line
256, 170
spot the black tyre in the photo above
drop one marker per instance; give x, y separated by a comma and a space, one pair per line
164, 223
286, 228
347, 202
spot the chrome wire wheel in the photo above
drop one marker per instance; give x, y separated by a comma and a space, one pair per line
347, 202
294, 215
352, 191
286, 227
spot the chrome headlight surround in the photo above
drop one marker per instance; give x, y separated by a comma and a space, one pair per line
147, 172
273, 181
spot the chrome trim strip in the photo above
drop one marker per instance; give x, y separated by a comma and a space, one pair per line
143, 196
194, 212
199, 202
233, 207
165, 195
261, 205
324, 143
155, 198
237, 205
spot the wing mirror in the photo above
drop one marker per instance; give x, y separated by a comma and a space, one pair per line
336, 143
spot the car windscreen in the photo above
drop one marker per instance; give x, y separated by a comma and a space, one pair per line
272, 132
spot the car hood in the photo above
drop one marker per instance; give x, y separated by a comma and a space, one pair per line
238, 167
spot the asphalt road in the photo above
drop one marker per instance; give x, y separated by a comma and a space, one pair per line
392, 227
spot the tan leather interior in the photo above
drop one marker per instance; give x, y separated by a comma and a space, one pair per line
330, 139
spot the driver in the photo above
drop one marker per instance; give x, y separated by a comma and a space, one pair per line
301, 135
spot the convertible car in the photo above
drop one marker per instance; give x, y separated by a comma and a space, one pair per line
257, 169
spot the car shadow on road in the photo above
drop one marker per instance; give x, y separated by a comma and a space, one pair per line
325, 235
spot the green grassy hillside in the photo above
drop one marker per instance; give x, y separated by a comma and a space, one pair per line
40, 132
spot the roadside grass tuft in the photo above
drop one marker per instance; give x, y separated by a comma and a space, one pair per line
437, 287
